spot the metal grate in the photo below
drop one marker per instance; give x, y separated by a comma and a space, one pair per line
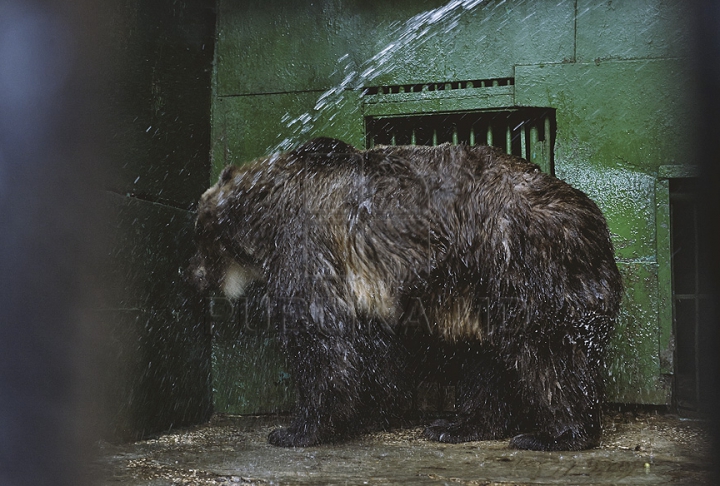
526, 132
442, 86
693, 306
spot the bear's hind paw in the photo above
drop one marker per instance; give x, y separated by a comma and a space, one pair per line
452, 432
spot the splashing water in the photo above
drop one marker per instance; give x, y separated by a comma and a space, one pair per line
411, 34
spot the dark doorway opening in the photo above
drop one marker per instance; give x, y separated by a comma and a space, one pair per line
694, 309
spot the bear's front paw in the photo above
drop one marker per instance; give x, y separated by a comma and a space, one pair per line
452, 432
289, 437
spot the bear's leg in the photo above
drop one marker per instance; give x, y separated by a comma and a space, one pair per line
344, 381
562, 389
486, 403
386, 391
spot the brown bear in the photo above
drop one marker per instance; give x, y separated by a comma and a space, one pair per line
510, 272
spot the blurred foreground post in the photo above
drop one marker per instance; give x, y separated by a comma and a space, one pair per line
49, 238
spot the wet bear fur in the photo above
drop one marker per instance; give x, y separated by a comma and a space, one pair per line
505, 270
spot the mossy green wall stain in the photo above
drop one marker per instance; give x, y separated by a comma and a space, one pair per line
614, 71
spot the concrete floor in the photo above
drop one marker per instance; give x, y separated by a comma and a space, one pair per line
637, 448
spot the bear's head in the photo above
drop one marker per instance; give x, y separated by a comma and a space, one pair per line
220, 263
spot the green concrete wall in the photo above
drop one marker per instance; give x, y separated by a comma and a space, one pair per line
614, 72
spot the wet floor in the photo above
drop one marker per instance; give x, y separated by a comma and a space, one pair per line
637, 448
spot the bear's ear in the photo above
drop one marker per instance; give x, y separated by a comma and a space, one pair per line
227, 173
325, 145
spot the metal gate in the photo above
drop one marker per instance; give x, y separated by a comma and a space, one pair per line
525, 132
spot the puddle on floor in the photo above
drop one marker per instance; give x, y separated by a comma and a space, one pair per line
637, 448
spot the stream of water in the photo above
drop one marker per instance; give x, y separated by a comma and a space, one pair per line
406, 36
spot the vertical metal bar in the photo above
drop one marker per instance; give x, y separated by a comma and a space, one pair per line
455, 135
546, 127
547, 137
472, 135
508, 139
489, 135
392, 139
523, 142
413, 137
434, 141
534, 146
